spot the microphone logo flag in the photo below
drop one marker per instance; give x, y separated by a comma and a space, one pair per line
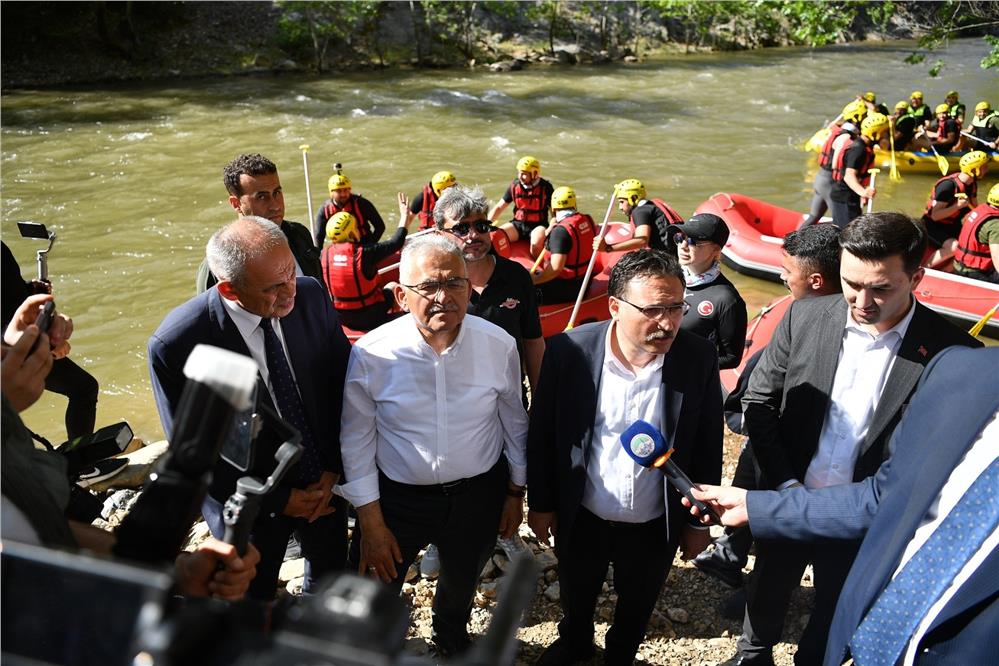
642, 445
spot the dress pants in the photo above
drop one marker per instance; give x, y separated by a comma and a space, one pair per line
323, 541
461, 518
776, 574
641, 554
844, 212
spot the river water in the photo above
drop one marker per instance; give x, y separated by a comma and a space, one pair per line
130, 177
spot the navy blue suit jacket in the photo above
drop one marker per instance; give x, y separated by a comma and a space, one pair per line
564, 409
318, 349
957, 396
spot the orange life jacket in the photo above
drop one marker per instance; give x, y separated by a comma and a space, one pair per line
330, 209
971, 189
839, 169
530, 205
582, 231
826, 154
971, 252
427, 211
345, 279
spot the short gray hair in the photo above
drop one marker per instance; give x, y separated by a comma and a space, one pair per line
234, 246
425, 244
456, 203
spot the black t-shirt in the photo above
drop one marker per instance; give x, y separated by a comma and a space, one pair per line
648, 214
416, 205
855, 158
949, 129
509, 301
906, 126
368, 211
718, 313
559, 241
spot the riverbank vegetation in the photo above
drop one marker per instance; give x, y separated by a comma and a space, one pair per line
47, 43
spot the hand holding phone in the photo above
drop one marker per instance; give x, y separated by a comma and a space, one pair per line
44, 321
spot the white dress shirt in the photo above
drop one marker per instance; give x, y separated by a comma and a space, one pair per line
979, 456
617, 488
424, 418
865, 362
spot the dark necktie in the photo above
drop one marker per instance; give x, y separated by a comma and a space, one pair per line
289, 402
882, 637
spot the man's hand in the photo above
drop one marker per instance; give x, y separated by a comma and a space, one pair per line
600, 245
404, 215
379, 550
544, 524
728, 502
512, 517
325, 484
693, 541
60, 329
302, 503
198, 573
23, 371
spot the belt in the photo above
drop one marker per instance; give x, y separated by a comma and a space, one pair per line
455, 487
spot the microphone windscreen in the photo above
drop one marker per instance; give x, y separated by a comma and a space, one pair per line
643, 442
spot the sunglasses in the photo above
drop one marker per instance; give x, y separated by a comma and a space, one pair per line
430, 288
679, 238
462, 228
657, 312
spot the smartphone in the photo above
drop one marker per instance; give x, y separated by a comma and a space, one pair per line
44, 320
33, 230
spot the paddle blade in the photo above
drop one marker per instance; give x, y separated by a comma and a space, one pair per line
977, 328
943, 165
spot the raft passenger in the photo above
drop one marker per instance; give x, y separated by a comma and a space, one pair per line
977, 253
904, 126
531, 196
423, 203
342, 199
984, 126
919, 111
953, 196
649, 218
569, 248
850, 189
943, 131
853, 114
955, 109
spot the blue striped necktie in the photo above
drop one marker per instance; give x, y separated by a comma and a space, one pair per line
289, 402
886, 630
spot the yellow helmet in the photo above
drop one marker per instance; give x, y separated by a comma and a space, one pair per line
972, 163
952, 93
916, 94
869, 96
529, 164
942, 108
442, 180
563, 197
902, 106
983, 106
994, 196
341, 227
874, 125
630, 189
338, 181
855, 111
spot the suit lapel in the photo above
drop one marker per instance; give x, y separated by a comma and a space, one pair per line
671, 397
226, 335
595, 351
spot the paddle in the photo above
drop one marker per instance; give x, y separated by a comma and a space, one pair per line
308, 193
870, 202
942, 163
984, 143
537, 263
589, 268
977, 328
893, 173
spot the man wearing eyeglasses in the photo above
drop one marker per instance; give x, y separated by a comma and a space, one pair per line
585, 490
717, 311
433, 436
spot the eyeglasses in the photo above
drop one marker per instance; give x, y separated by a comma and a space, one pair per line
678, 238
431, 287
658, 311
462, 228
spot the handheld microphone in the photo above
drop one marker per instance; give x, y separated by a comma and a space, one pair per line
647, 447
219, 384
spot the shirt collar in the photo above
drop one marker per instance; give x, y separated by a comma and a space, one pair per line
420, 342
246, 322
611, 361
898, 330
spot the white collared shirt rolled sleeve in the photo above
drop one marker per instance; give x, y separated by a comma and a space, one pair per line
513, 420
359, 437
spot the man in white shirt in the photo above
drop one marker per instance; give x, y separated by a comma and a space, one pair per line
433, 436
822, 404
600, 506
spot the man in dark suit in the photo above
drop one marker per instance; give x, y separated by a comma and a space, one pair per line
288, 326
822, 404
942, 447
255, 189
584, 489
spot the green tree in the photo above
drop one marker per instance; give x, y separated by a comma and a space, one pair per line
955, 18
319, 24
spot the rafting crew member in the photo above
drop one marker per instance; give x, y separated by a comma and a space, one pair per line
944, 131
850, 190
255, 190
955, 109
649, 219
977, 252
904, 126
351, 270
919, 111
984, 126
423, 203
342, 198
952, 197
531, 196
809, 268
569, 247
502, 290
822, 404
433, 437
870, 101
717, 311
840, 136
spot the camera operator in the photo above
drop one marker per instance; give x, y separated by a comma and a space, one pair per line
35, 486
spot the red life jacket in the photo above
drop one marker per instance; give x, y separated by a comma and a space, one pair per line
345, 279
427, 211
826, 154
582, 231
971, 189
330, 209
839, 169
672, 217
971, 252
530, 206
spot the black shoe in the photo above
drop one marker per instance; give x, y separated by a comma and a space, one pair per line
758, 659
734, 606
449, 649
729, 573
102, 469
560, 653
